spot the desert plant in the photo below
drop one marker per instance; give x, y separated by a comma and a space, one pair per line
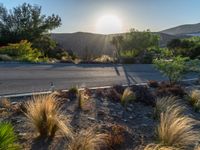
84, 102
176, 130
7, 137
128, 95
87, 140
45, 115
4, 102
167, 103
194, 99
159, 147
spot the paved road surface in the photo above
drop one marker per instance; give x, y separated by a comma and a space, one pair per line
22, 78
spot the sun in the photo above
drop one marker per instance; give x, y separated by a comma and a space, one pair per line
109, 24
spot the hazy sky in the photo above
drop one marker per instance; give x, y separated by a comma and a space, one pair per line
83, 15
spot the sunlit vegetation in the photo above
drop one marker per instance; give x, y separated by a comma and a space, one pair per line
22, 51
128, 96
175, 130
45, 116
7, 137
167, 103
194, 99
88, 140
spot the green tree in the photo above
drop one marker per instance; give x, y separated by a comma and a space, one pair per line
25, 22
136, 41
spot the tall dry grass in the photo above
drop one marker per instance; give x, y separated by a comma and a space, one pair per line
128, 95
165, 103
88, 140
194, 99
176, 129
46, 117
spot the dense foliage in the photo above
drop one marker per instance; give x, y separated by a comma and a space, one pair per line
25, 22
176, 67
7, 137
189, 47
22, 51
135, 43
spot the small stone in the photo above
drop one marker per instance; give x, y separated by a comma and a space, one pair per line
130, 117
129, 109
22, 134
14, 103
124, 120
91, 118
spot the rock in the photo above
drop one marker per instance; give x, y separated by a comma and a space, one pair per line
22, 134
91, 118
130, 117
129, 109
14, 103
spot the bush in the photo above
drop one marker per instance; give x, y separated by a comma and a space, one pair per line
127, 96
7, 137
21, 52
165, 103
173, 69
45, 115
175, 129
87, 140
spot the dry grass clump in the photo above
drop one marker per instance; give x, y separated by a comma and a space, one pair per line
194, 98
159, 147
84, 102
88, 140
175, 129
4, 102
127, 96
165, 103
45, 115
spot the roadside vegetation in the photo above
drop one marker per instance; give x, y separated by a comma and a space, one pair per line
158, 116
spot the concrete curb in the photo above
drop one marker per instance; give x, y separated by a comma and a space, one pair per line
92, 88
48, 92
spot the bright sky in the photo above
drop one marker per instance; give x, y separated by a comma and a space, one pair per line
109, 16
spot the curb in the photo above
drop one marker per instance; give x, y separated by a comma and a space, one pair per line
48, 92
91, 88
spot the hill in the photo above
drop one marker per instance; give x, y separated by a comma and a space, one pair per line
183, 29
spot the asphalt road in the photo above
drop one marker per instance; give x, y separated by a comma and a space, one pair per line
23, 78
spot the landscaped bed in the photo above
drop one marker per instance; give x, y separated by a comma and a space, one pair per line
118, 118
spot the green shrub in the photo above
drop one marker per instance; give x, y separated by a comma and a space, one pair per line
21, 51
174, 69
7, 137
129, 53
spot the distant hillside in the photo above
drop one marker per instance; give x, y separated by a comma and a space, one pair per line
80, 41
183, 29
97, 44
